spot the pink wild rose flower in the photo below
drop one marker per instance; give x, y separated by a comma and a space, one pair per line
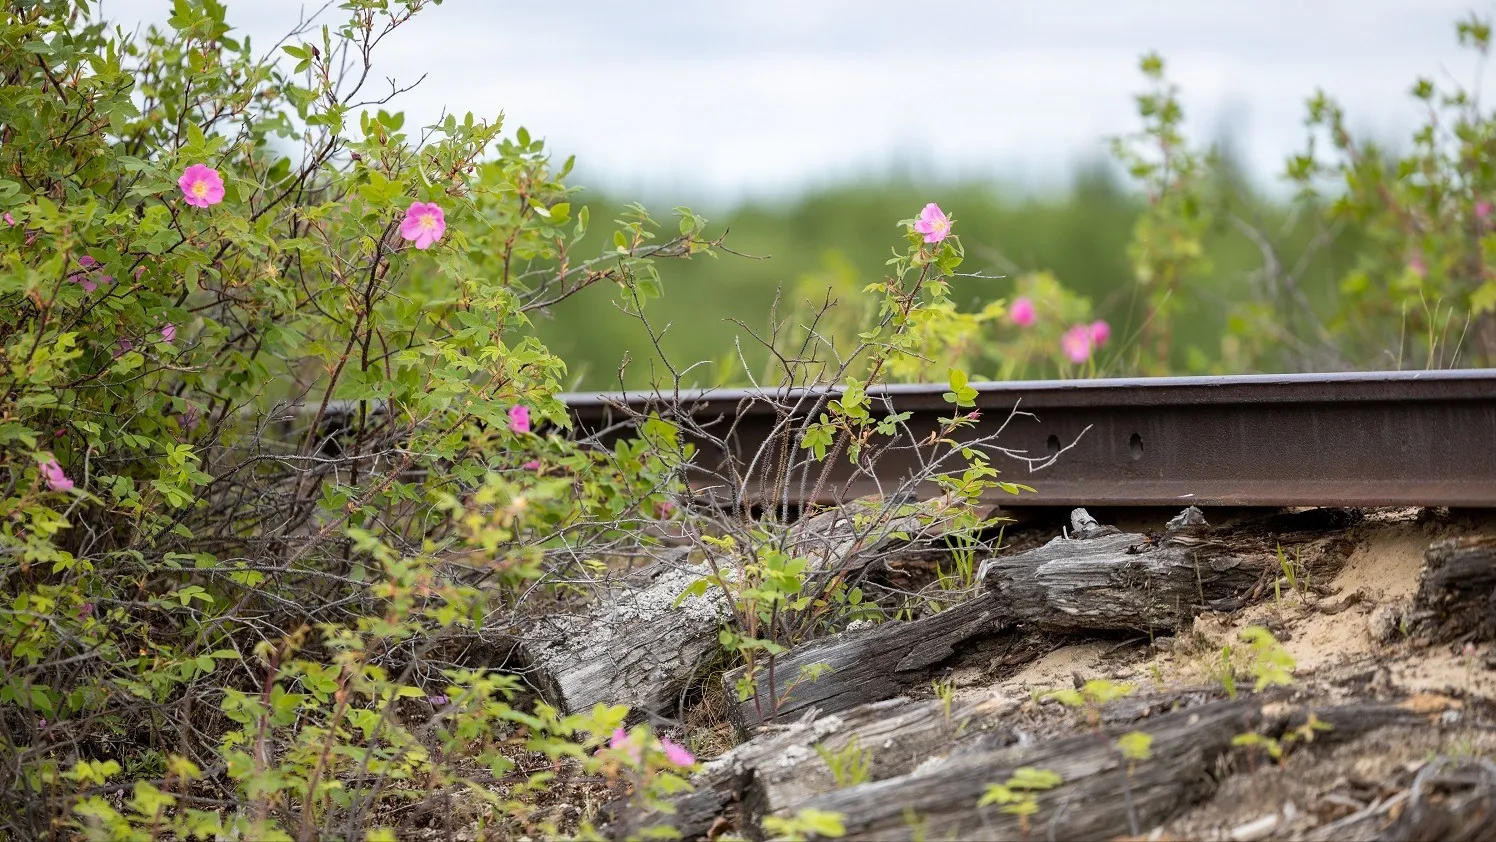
201, 185
1483, 210
532, 465
10, 220
1076, 343
621, 741
87, 279
1023, 313
56, 479
677, 754
933, 223
519, 419
1100, 332
424, 223
169, 333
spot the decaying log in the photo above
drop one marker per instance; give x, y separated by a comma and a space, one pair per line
940, 801
1103, 795
862, 666
893, 738
638, 647
939, 765
1103, 579
1457, 589
781, 766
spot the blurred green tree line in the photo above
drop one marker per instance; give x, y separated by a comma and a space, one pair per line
838, 238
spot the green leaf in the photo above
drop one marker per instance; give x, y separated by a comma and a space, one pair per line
1135, 745
1483, 299
696, 588
822, 822
960, 394
1027, 777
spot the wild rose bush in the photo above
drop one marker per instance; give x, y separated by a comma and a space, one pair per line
274, 441
1413, 232
1420, 289
1021, 338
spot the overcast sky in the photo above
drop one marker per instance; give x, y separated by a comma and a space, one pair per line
716, 100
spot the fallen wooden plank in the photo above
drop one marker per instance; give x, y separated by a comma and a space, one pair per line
1104, 579
892, 739
1102, 794
864, 666
781, 766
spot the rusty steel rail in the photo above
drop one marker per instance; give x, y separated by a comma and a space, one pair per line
1360, 439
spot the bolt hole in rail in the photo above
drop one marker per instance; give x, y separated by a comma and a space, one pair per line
1354, 439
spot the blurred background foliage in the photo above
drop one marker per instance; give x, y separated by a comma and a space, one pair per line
838, 238
1365, 255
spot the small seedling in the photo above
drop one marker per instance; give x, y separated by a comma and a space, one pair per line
1253, 739
1227, 672
805, 824
849, 767
1091, 696
1135, 745
1277, 748
945, 691
1271, 664
1016, 795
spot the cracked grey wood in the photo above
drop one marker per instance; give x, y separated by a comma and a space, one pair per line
1110, 580
895, 739
635, 646
781, 767
867, 665
1102, 792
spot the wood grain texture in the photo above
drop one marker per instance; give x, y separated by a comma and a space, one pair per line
1110, 580
780, 767
868, 665
636, 646
1103, 794
1457, 589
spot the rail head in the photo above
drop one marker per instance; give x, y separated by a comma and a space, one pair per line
1453, 384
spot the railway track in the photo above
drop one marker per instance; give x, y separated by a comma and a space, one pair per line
1359, 439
